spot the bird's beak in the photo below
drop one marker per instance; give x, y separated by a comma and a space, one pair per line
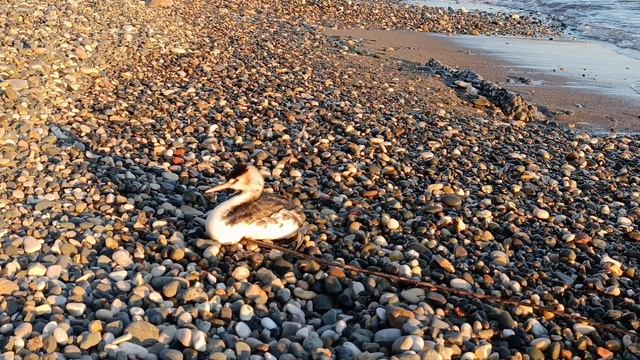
218, 188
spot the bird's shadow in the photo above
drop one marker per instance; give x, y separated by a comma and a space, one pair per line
122, 176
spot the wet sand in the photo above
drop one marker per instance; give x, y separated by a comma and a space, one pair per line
602, 100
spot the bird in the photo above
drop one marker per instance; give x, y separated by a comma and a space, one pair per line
252, 213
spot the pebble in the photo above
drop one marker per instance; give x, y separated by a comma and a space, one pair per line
583, 328
131, 349
143, 333
184, 337
500, 258
541, 214
76, 309
7, 287
23, 330
407, 343
541, 343
387, 335
122, 258
483, 351
413, 295
452, 200
199, 341
31, 245
445, 264
268, 323
243, 330
241, 273
61, 336
72, 352
461, 284
393, 224
246, 312
90, 341
170, 354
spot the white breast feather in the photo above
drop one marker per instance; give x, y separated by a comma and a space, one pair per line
218, 229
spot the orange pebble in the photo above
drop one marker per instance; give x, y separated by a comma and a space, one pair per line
178, 160
604, 353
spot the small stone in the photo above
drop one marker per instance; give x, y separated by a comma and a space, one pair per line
246, 312
268, 323
625, 221
541, 214
500, 258
312, 342
445, 264
604, 353
170, 176
160, 3
398, 316
72, 352
35, 344
90, 340
241, 273
613, 290
535, 354
332, 285
461, 284
541, 343
76, 309
171, 288
18, 194
583, 329
95, 326
36, 269
387, 335
453, 201
143, 333
190, 211
178, 51
393, 224
132, 349
407, 343
31, 245
482, 351
15, 84
170, 354
23, 330
613, 345
414, 295
122, 258
199, 340
61, 336
7, 287
184, 337
43, 309
481, 102
243, 330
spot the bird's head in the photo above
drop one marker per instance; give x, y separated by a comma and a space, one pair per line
243, 178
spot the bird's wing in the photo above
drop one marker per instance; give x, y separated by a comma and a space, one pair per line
268, 209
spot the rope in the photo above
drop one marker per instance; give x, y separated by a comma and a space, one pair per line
574, 318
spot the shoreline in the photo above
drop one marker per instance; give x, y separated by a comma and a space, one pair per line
585, 103
574, 25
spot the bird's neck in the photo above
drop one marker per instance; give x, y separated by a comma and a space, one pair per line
247, 195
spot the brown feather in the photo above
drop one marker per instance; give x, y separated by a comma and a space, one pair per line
262, 211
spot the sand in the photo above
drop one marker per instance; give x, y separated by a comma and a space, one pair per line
597, 102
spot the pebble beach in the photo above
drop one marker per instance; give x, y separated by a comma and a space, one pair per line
117, 115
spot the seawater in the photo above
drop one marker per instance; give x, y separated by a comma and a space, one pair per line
613, 21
